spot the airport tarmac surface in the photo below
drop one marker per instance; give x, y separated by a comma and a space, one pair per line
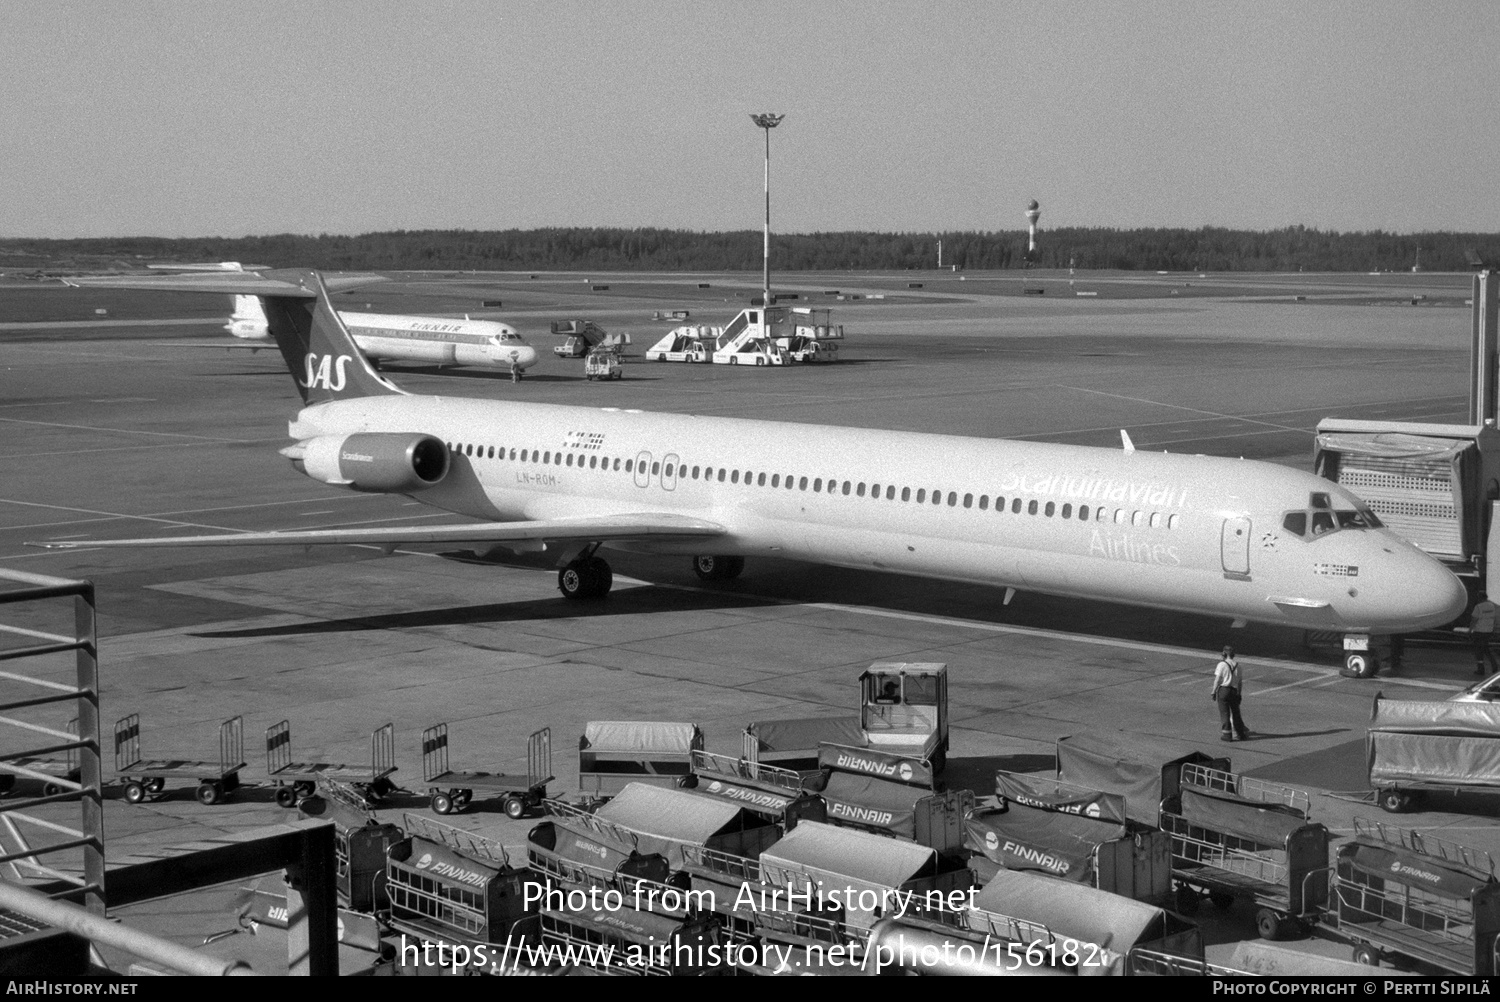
114, 432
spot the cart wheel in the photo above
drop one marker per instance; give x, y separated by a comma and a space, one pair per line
1222, 900
1394, 800
304, 789
464, 798
134, 793
231, 782
442, 803
1366, 954
286, 796
156, 785
381, 787
1187, 900
1269, 925
515, 807
51, 789
209, 793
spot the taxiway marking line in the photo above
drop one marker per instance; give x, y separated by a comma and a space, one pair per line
1180, 407
130, 431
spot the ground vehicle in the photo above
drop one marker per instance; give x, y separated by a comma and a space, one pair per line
613, 753
1484, 691
750, 339
296, 781
602, 363
1233, 836
814, 338
143, 778
1417, 746
688, 343
1399, 891
582, 337
779, 795
453, 791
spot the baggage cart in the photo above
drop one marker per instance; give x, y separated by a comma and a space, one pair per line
1143, 770
296, 781
1066, 831
636, 943
55, 774
1237, 837
1398, 892
614, 753
772, 792
148, 778
890, 794
581, 851
452, 792
360, 844
1417, 747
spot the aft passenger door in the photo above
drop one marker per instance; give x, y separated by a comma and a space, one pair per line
1234, 546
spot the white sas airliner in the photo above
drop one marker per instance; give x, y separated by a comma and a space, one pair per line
410, 339
1229, 538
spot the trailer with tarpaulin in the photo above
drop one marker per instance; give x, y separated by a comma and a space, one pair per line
452, 791
576, 850
888, 793
145, 778
793, 744
453, 888
868, 875
1417, 747
1238, 837
1412, 895
1067, 831
776, 794
360, 845
1094, 929
665, 821
612, 753
638, 943
296, 781
1145, 771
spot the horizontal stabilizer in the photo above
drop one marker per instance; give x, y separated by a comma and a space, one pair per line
232, 283
595, 529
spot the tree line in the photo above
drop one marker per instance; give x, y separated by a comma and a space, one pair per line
617, 249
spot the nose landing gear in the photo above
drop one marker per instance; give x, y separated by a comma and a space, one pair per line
711, 568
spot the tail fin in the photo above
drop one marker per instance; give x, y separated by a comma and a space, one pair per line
324, 361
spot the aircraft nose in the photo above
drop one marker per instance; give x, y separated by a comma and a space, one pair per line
1438, 597
525, 357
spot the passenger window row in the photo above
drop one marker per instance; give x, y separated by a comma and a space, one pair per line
845, 488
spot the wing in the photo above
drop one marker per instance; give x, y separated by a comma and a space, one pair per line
644, 525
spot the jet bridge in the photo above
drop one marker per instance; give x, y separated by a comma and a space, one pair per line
1436, 485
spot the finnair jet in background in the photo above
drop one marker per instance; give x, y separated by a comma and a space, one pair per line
1236, 539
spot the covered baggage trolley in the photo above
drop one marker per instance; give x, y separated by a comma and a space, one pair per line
1233, 836
360, 844
774, 793
1397, 891
666, 821
1082, 835
637, 943
454, 791
296, 781
612, 753
578, 850
452, 887
1145, 771
1418, 746
793, 744
891, 794
868, 876
1090, 930
148, 778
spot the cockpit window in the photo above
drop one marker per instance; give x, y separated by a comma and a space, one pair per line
1295, 523
1321, 521
1319, 500
1364, 518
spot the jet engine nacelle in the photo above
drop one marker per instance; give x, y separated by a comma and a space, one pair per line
395, 462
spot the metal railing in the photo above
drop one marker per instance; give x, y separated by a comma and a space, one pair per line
84, 695
1245, 787
1267, 866
1476, 860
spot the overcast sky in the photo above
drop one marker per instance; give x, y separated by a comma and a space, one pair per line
226, 119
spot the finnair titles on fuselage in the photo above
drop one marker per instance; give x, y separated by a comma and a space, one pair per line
1222, 537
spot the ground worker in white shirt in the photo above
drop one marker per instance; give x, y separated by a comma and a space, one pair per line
1228, 681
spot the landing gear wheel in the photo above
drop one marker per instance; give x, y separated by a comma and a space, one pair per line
286, 797
1269, 925
711, 568
209, 793
1360, 664
442, 803
134, 793
515, 808
1187, 900
1367, 955
588, 577
1394, 801
1221, 900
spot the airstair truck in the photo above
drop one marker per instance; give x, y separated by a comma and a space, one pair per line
751, 338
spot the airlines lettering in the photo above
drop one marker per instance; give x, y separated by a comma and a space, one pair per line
418, 335
1043, 859
1406, 870
536, 479
868, 815
1087, 488
1132, 550
441, 869
753, 797
325, 371
870, 766
1090, 809
356, 457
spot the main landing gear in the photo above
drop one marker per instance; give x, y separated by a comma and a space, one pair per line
718, 568
587, 576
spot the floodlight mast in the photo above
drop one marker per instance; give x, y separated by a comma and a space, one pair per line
767, 122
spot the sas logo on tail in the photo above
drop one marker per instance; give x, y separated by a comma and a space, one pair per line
325, 371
